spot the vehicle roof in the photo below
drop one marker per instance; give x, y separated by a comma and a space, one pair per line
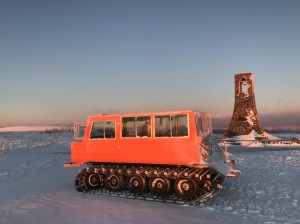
145, 114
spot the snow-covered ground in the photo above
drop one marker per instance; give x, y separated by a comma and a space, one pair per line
36, 188
264, 140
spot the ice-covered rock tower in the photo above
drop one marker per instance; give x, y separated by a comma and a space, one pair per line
244, 118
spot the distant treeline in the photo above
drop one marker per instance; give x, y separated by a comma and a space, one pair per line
54, 130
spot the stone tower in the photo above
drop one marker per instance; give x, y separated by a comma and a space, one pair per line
244, 118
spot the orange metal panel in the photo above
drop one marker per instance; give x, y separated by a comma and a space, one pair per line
146, 150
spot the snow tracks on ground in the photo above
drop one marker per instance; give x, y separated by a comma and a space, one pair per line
268, 190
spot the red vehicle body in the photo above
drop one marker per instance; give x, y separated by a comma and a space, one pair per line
165, 141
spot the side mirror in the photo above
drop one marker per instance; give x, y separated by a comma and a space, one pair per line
79, 130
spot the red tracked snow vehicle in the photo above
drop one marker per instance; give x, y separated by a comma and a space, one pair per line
164, 156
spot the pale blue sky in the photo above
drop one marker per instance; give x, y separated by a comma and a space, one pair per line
63, 60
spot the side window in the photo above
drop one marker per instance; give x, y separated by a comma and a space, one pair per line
128, 127
103, 129
136, 126
143, 126
171, 126
162, 126
109, 129
179, 125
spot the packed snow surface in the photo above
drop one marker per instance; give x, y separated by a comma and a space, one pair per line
36, 188
255, 140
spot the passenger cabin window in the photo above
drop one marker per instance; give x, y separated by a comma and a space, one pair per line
171, 126
143, 126
128, 127
179, 125
162, 126
103, 130
136, 126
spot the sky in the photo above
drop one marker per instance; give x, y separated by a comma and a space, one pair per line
62, 60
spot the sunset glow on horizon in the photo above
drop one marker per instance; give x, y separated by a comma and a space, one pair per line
61, 61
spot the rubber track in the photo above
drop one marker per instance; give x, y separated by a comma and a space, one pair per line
203, 176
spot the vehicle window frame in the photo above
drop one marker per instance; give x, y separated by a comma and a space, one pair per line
138, 126
104, 126
172, 117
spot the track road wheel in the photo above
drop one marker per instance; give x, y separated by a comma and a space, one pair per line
114, 182
136, 184
159, 186
94, 180
205, 187
80, 181
186, 188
